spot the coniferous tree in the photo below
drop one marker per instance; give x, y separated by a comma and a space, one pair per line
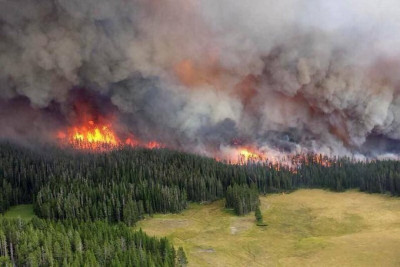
181, 257
258, 215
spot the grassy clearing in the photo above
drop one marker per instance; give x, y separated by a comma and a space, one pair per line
305, 228
25, 212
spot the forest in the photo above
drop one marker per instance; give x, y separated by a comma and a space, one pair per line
76, 192
126, 184
74, 243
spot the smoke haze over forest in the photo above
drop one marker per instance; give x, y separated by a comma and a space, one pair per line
206, 76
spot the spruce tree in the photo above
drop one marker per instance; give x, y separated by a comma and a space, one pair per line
258, 215
181, 257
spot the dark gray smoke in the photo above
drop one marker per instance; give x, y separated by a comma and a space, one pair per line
289, 75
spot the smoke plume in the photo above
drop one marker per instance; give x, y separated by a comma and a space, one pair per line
204, 76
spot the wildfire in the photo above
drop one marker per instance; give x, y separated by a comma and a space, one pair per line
239, 154
90, 136
299, 159
98, 137
246, 155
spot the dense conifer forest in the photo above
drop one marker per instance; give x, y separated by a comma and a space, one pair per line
124, 185
76, 190
242, 198
73, 243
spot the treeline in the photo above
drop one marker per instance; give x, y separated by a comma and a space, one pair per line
90, 200
126, 184
374, 176
73, 243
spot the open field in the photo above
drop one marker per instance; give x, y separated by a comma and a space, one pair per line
25, 212
305, 228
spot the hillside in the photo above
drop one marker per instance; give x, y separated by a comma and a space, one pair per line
73, 189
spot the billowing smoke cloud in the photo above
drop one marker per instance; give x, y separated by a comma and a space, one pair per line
290, 75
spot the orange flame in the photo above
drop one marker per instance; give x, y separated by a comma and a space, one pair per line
90, 136
99, 137
238, 154
242, 155
247, 154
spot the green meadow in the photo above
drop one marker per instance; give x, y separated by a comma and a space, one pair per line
305, 228
25, 212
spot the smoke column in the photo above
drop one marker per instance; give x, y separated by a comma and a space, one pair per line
287, 76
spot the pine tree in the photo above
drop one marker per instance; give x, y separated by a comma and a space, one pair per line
258, 215
181, 257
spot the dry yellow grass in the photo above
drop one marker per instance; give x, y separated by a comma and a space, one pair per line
305, 228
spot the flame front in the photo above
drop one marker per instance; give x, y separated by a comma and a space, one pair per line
90, 136
246, 154
241, 155
99, 137
95, 134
